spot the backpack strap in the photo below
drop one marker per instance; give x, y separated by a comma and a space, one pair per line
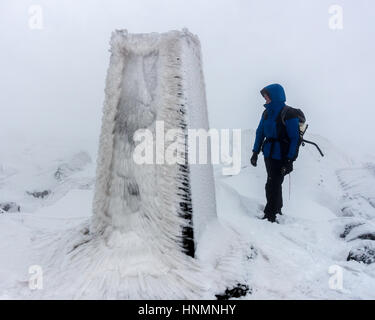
280, 132
282, 136
284, 112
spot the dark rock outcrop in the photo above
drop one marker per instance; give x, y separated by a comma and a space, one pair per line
238, 291
39, 194
348, 228
10, 207
364, 254
367, 236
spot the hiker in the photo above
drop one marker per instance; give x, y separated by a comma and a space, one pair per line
279, 144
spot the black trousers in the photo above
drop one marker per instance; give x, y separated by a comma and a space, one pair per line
273, 187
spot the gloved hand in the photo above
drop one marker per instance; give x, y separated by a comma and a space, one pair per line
287, 167
254, 159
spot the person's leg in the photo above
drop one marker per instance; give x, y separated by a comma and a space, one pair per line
268, 186
280, 201
273, 188
280, 192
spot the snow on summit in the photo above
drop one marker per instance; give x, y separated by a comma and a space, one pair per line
327, 227
187, 150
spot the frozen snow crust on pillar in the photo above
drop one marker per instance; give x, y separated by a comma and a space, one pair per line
152, 77
157, 209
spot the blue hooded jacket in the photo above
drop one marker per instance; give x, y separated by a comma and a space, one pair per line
267, 127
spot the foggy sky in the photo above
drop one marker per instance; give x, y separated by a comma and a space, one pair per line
52, 80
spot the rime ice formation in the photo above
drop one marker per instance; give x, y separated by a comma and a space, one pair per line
147, 219
153, 77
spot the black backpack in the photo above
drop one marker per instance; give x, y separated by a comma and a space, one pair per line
289, 113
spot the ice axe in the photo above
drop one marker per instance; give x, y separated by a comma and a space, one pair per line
303, 141
314, 144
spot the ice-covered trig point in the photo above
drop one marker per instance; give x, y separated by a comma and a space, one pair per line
155, 213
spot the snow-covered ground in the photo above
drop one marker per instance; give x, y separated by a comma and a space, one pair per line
329, 213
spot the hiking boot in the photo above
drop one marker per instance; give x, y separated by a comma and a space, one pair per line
270, 218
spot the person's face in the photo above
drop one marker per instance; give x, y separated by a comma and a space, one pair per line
268, 100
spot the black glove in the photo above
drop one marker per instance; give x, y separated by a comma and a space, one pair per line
254, 159
287, 167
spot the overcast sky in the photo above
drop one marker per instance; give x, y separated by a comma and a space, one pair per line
52, 79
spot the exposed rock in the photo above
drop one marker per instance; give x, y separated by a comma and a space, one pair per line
39, 194
364, 254
238, 291
252, 254
363, 231
367, 236
348, 228
9, 207
347, 212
